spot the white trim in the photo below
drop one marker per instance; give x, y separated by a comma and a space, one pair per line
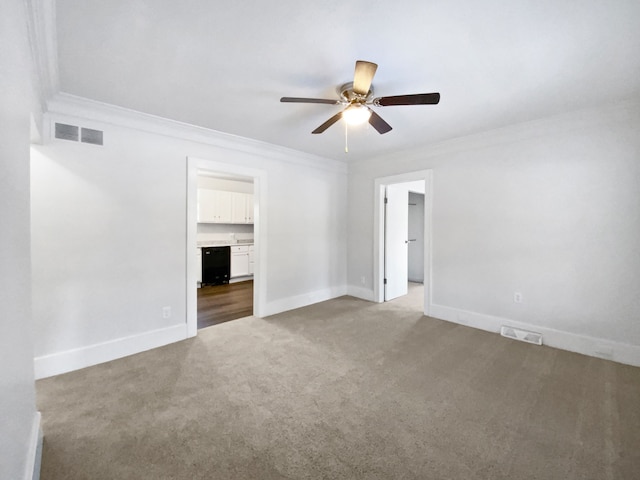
304, 300
191, 252
591, 346
360, 292
378, 231
41, 23
259, 230
243, 278
34, 454
79, 107
75, 359
625, 110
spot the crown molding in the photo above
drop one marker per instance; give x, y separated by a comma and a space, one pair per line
622, 111
41, 26
80, 107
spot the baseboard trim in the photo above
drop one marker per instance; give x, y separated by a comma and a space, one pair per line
591, 346
360, 292
306, 299
70, 360
244, 278
34, 455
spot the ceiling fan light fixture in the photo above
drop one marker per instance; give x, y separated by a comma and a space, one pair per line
356, 114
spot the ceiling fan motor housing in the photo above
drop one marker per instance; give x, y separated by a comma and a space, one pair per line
349, 96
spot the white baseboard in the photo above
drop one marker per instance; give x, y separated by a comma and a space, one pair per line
591, 346
69, 360
303, 300
34, 455
360, 292
241, 279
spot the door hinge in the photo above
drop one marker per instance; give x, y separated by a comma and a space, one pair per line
385, 281
386, 200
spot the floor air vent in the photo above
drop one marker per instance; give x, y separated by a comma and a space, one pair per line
522, 335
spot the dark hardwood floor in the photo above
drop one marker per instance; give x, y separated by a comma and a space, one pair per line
221, 303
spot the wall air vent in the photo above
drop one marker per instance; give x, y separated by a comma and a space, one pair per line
91, 136
77, 134
67, 132
522, 335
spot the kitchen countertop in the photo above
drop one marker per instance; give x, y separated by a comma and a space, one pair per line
223, 243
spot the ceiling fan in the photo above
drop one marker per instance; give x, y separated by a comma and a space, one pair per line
357, 99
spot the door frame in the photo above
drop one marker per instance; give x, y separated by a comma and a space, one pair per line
259, 229
378, 228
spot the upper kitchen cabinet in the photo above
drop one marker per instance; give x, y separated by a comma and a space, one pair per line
242, 208
219, 206
214, 206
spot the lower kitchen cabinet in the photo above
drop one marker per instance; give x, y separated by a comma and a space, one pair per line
239, 261
250, 259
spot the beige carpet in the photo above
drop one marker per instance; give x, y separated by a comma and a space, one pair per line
345, 389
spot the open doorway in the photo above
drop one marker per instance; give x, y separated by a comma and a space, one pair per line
225, 238
403, 237
252, 261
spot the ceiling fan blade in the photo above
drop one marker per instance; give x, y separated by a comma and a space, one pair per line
328, 123
309, 100
417, 99
363, 77
378, 123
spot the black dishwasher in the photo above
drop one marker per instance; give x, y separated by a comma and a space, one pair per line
216, 265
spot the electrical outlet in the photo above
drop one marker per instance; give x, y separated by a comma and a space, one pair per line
166, 312
517, 297
363, 280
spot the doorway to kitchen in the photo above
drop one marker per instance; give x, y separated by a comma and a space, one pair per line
224, 249
225, 239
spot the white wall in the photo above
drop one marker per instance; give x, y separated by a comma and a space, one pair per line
550, 209
19, 421
108, 254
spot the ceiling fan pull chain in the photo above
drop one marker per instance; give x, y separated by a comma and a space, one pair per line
346, 137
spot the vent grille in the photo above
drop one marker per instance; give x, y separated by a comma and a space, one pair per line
67, 132
522, 335
77, 134
91, 136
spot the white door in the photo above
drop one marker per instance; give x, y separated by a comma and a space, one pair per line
395, 241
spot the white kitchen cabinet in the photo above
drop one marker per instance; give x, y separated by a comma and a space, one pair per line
249, 198
239, 207
239, 261
242, 207
214, 206
251, 260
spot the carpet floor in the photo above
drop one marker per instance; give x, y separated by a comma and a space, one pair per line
344, 389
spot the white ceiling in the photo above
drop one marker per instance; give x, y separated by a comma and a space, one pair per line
225, 64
